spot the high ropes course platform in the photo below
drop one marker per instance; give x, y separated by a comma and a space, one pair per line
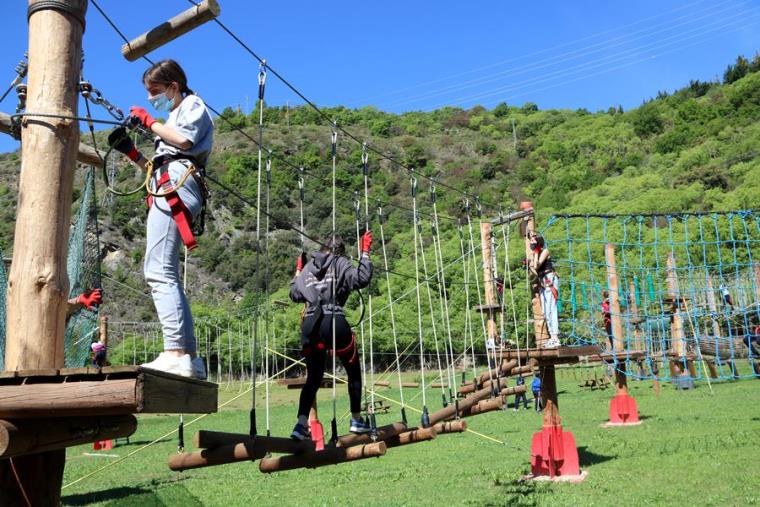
667, 297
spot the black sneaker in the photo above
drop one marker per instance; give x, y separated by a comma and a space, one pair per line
300, 433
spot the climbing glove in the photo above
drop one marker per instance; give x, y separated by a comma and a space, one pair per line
141, 114
91, 298
120, 141
301, 261
366, 242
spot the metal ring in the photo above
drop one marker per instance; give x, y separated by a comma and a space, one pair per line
57, 5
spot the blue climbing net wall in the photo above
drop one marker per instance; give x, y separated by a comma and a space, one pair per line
83, 267
712, 281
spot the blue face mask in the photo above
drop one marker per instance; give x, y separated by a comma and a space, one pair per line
161, 102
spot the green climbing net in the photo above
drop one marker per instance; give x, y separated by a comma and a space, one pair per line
704, 266
83, 268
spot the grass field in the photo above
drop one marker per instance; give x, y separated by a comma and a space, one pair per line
694, 448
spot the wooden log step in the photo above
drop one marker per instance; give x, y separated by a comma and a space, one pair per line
484, 406
205, 439
29, 436
412, 436
450, 427
450, 411
106, 391
329, 456
503, 369
383, 434
511, 391
252, 448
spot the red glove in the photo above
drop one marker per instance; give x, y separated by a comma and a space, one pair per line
301, 262
366, 241
141, 114
90, 298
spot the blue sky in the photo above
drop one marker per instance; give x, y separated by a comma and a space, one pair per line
402, 56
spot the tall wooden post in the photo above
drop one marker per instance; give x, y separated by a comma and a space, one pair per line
678, 340
756, 279
38, 285
621, 381
488, 285
623, 409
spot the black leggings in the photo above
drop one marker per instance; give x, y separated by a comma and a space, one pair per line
315, 365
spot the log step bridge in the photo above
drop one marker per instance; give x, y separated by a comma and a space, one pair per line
456, 426
328, 456
120, 390
224, 448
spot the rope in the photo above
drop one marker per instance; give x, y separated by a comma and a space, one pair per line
425, 420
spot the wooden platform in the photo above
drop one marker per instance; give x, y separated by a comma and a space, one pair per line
102, 391
560, 355
610, 357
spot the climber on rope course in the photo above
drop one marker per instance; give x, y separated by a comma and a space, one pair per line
176, 201
540, 265
329, 272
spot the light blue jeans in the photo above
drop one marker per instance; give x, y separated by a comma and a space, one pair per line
161, 267
549, 303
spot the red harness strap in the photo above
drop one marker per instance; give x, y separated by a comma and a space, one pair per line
349, 352
180, 213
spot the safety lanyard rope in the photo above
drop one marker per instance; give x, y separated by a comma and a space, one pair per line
381, 220
254, 356
357, 223
477, 287
443, 295
433, 327
333, 288
425, 420
371, 407
505, 233
465, 253
267, 313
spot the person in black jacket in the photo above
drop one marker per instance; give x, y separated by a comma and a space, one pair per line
324, 284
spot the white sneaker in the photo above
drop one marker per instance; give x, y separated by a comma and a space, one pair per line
199, 368
551, 343
168, 363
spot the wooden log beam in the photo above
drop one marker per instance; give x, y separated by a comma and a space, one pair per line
484, 406
504, 368
330, 456
85, 154
252, 448
511, 391
170, 30
29, 436
450, 411
450, 427
383, 434
204, 439
412, 436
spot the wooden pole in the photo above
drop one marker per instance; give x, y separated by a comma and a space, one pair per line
170, 30
676, 323
756, 276
103, 337
621, 380
38, 286
488, 286
450, 427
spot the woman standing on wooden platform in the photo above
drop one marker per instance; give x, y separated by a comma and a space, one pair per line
183, 144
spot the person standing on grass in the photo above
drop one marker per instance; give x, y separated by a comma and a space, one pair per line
520, 396
536, 388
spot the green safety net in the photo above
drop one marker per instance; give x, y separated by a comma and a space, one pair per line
704, 267
83, 268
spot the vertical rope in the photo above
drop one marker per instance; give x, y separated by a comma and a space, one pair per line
334, 153
425, 421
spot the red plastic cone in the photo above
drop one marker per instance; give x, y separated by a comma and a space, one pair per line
553, 453
623, 409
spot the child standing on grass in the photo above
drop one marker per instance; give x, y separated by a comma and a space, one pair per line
536, 388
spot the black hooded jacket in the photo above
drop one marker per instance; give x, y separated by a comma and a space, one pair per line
314, 283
